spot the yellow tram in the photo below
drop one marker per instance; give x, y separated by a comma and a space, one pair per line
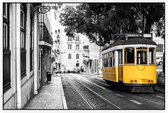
130, 62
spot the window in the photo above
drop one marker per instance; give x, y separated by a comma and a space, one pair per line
58, 41
69, 39
77, 46
77, 56
110, 59
69, 46
105, 60
141, 56
22, 18
77, 64
6, 49
5, 36
159, 48
120, 57
69, 56
31, 43
6, 10
113, 59
129, 55
77, 38
86, 47
58, 36
23, 39
58, 30
151, 56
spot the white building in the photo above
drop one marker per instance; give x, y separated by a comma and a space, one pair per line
75, 53
25, 45
79, 52
160, 48
72, 51
20, 54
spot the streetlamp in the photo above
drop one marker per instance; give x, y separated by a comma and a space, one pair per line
45, 8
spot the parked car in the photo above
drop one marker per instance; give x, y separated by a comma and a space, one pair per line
159, 60
76, 70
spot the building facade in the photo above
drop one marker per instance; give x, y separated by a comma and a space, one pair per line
75, 53
45, 30
57, 40
22, 43
72, 51
160, 48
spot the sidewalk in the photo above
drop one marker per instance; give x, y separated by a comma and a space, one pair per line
160, 82
51, 96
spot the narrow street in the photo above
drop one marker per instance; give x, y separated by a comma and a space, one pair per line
84, 91
52, 53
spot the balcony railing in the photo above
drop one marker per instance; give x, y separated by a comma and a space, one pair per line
44, 34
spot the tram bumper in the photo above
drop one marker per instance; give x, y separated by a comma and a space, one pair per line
142, 89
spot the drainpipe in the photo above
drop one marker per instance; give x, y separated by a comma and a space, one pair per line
18, 67
35, 54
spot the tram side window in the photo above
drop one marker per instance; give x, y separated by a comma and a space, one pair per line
129, 55
141, 56
120, 57
103, 56
110, 59
151, 55
113, 59
105, 61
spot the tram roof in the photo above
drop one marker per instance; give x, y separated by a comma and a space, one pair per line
132, 41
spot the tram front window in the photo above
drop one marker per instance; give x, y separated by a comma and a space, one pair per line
141, 57
129, 55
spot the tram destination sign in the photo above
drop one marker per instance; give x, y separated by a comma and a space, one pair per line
147, 35
134, 35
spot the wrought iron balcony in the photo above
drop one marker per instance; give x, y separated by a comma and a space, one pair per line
44, 34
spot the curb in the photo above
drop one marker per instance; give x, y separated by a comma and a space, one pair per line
63, 97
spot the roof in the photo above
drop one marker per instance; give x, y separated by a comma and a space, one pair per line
131, 41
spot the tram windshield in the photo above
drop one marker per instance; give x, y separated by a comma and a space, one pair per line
141, 56
129, 55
